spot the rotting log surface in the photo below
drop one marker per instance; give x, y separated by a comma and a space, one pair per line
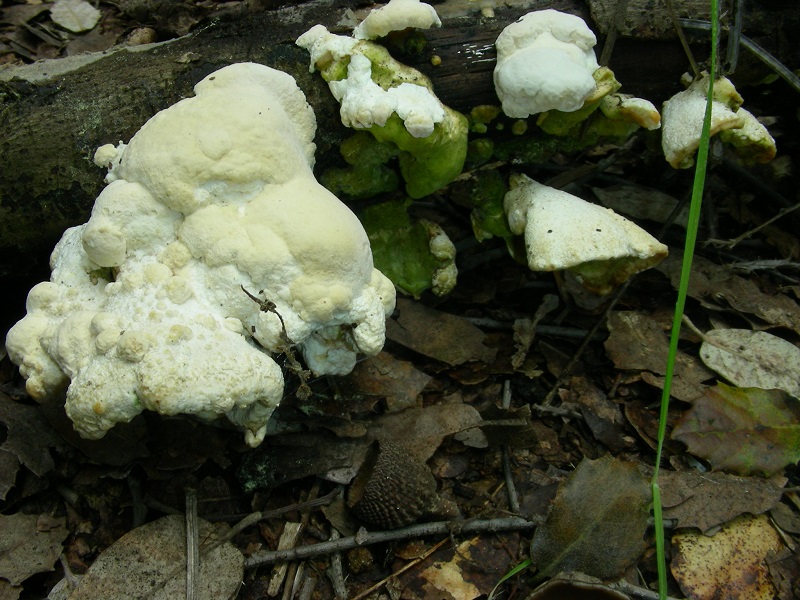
50, 128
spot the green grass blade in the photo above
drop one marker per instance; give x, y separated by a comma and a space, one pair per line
686, 267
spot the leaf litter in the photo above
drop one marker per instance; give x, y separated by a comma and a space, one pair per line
753, 359
729, 564
743, 430
434, 390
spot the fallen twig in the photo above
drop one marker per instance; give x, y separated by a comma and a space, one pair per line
365, 538
401, 570
192, 545
511, 490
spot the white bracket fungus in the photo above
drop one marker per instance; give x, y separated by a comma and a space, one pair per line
364, 103
545, 61
564, 232
637, 110
396, 16
145, 307
683, 123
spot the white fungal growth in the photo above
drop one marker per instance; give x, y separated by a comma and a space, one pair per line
545, 61
146, 308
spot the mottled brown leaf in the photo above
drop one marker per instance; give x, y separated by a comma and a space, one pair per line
151, 560
439, 335
29, 544
637, 343
596, 522
753, 359
705, 500
30, 437
715, 285
729, 564
396, 380
743, 430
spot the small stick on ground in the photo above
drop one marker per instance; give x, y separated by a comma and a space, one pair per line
335, 572
192, 545
366, 538
400, 571
511, 489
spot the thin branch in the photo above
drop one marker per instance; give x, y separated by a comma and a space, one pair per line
611, 38
401, 570
677, 24
731, 243
511, 489
335, 571
635, 590
764, 56
734, 38
365, 538
192, 545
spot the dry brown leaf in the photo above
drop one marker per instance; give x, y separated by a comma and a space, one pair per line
641, 203
705, 500
729, 564
525, 329
448, 576
784, 570
470, 570
715, 285
422, 430
9, 592
603, 416
637, 343
743, 430
439, 335
596, 523
151, 560
29, 544
397, 380
753, 359
576, 586
29, 435
289, 457
74, 15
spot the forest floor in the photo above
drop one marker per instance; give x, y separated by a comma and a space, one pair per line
539, 445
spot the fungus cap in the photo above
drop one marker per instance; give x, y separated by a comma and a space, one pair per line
563, 231
545, 61
682, 118
396, 16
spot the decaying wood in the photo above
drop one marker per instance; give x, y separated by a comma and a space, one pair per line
54, 116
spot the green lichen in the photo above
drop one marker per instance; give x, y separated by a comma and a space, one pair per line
426, 164
479, 151
409, 252
480, 117
483, 193
368, 174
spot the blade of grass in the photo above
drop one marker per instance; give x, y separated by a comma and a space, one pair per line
686, 267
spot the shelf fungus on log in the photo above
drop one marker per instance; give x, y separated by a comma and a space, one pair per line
596, 248
212, 204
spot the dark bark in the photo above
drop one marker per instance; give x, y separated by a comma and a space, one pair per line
49, 128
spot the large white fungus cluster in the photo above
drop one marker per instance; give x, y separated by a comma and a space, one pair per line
145, 309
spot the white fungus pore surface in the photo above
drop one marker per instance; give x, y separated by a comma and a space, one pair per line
396, 16
545, 61
145, 307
